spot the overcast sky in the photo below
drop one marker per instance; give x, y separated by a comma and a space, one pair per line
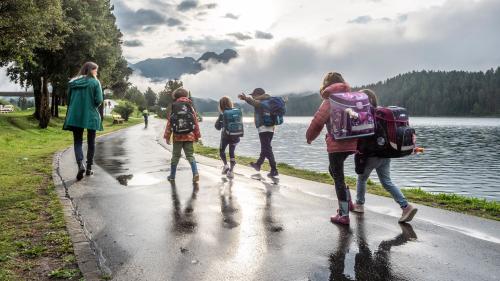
287, 46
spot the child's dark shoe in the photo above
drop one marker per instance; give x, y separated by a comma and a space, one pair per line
171, 178
255, 166
273, 174
196, 178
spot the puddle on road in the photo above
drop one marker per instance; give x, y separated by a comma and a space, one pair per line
139, 179
123, 179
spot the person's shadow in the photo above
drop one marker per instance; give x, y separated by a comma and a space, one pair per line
368, 266
184, 220
227, 205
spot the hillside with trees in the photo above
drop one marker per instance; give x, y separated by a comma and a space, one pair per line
441, 93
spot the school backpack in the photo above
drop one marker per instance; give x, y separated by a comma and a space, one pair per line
351, 116
233, 122
273, 111
182, 118
394, 137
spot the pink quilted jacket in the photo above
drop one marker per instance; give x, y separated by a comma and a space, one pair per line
322, 118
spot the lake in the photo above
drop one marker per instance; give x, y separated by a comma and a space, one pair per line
462, 155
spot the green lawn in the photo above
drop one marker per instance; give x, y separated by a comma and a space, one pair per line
34, 243
472, 206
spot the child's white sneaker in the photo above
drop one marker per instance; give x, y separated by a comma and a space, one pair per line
230, 174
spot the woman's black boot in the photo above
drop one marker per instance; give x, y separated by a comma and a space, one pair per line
89, 170
81, 171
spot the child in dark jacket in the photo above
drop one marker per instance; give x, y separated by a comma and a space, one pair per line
183, 141
338, 150
226, 140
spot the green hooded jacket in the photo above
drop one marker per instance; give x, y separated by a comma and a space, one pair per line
84, 98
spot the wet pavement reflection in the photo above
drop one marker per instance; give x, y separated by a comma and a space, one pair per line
184, 220
368, 265
228, 205
247, 228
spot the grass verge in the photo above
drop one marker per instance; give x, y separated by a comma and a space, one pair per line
467, 205
34, 243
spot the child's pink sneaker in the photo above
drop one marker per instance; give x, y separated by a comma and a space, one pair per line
338, 219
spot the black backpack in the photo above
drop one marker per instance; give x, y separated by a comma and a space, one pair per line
182, 118
394, 138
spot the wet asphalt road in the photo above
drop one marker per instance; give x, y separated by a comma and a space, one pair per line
148, 229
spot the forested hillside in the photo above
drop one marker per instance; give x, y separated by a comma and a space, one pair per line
439, 93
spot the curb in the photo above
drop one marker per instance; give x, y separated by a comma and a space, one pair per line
85, 254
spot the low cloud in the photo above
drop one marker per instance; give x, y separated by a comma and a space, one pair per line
210, 6
133, 21
364, 53
143, 83
187, 5
173, 22
263, 35
231, 16
195, 47
361, 19
240, 36
132, 43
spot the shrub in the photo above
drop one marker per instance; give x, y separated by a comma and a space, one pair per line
125, 109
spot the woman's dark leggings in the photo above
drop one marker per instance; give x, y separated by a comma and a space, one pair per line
336, 170
78, 145
222, 151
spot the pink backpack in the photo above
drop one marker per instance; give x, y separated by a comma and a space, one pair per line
351, 116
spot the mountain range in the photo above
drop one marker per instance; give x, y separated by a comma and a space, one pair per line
173, 68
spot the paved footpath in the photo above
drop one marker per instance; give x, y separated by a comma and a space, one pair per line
145, 228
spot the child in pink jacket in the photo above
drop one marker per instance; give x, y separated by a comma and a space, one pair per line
338, 150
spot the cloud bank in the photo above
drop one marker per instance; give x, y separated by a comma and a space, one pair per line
460, 35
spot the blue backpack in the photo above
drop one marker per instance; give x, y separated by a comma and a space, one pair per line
233, 122
273, 110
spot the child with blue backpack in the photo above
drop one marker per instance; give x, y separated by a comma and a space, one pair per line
230, 124
265, 126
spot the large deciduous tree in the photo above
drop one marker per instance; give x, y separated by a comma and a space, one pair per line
76, 31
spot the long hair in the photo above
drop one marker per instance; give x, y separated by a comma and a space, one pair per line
87, 68
372, 97
331, 78
225, 103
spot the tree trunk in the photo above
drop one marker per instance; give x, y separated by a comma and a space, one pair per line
37, 92
58, 100
54, 105
44, 105
53, 102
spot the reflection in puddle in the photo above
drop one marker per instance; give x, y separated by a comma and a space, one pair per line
367, 264
123, 179
144, 179
138, 179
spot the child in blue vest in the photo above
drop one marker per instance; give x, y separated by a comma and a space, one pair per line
228, 137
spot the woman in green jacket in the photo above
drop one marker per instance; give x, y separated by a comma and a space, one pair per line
84, 98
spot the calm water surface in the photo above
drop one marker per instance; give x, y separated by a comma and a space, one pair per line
462, 155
